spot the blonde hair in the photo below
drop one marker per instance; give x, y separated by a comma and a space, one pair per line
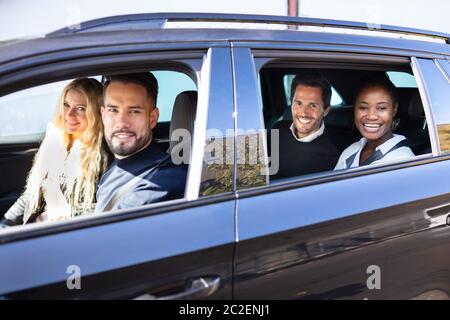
94, 158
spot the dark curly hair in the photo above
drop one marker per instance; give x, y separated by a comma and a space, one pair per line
380, 80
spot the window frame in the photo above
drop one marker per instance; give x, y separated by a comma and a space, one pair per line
262, 57
20, 138
190, 62
437, 71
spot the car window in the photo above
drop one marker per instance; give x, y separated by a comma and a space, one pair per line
402, 79
171, 83
445, 64
437, 85
24, 114
25, 117
340, 129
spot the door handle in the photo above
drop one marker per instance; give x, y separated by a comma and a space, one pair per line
439, 216
196, 288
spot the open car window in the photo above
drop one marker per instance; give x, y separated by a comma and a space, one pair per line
25, 116
410, 120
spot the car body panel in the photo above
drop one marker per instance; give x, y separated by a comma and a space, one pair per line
137, 252
123, 246
323, 232
319, 237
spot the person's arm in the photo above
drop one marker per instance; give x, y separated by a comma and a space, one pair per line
14, 216
349, 151
340, 164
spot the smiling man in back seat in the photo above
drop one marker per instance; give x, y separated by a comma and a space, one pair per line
304, 145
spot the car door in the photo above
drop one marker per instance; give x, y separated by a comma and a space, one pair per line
15, 163
173, 250
369, 233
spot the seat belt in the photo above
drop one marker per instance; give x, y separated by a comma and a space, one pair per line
378, 155
130, 184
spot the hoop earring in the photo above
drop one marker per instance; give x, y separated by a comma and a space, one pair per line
395, 123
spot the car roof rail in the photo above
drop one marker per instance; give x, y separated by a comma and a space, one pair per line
157, 20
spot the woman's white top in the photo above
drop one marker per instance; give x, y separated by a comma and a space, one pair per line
350, 156
54, 173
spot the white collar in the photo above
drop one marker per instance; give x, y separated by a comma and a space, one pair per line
311, 137
384, 147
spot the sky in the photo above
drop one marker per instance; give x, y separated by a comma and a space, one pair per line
24, 18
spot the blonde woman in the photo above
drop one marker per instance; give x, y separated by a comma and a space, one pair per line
70, 160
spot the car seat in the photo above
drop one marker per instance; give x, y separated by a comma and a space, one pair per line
182, 125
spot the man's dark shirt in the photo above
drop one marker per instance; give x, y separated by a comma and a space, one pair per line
298, 158
165, 182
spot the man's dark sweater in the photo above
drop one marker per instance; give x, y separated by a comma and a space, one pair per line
298, 158
166, 182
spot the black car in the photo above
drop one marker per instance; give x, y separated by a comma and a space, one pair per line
372, 232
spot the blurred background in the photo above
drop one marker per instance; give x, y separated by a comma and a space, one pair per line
26, 18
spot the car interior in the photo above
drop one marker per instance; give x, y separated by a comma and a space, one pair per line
183, 116
15, 163
410, 118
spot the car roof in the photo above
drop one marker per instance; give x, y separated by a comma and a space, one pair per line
120, 21
141, 29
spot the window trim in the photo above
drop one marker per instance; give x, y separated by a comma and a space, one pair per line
331, 46
342, 60
432, 129
57, 70
331, 176
318, 56
439, 65
42, 229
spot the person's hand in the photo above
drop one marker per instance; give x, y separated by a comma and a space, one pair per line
58, 215
57, 207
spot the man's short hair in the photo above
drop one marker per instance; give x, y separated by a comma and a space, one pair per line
313, 79
145, 79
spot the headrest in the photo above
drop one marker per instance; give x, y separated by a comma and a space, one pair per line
287, 113
415, 108
340, 117
404, 98
183, 116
